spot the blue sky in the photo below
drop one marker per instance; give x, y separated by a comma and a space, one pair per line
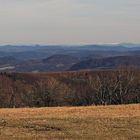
69, 21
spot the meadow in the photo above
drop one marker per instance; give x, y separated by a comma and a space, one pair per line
121, 122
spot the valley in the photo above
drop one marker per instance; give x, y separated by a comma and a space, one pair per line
68, 58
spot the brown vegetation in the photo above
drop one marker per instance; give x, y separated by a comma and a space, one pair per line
88, 123
121, 86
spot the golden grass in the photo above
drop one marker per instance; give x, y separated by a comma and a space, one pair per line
95, 123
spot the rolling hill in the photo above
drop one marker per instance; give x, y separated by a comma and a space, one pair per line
108, 63
49, 58
54, 63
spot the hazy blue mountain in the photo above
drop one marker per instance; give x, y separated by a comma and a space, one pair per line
107, 63
54, 63
28, 58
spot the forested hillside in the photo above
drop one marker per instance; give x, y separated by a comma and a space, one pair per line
66, 58
120, 86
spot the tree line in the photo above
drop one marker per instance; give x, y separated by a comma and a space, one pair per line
120, 86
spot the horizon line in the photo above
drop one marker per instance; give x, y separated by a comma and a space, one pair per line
75, 44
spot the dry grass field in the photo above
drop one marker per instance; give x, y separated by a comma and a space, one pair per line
91, 123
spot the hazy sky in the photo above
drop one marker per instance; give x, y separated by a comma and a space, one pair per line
69, 21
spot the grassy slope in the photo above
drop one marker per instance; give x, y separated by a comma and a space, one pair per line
98, 123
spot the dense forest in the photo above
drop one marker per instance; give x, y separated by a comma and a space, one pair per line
106, 87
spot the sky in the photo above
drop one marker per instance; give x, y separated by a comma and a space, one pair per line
69, 21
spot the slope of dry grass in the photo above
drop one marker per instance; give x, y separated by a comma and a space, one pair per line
98, 123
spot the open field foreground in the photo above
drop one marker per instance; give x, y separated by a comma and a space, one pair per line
96, 123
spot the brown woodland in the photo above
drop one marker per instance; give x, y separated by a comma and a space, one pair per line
121, 86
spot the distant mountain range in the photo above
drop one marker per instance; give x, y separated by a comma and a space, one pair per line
109, 62
39, 58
